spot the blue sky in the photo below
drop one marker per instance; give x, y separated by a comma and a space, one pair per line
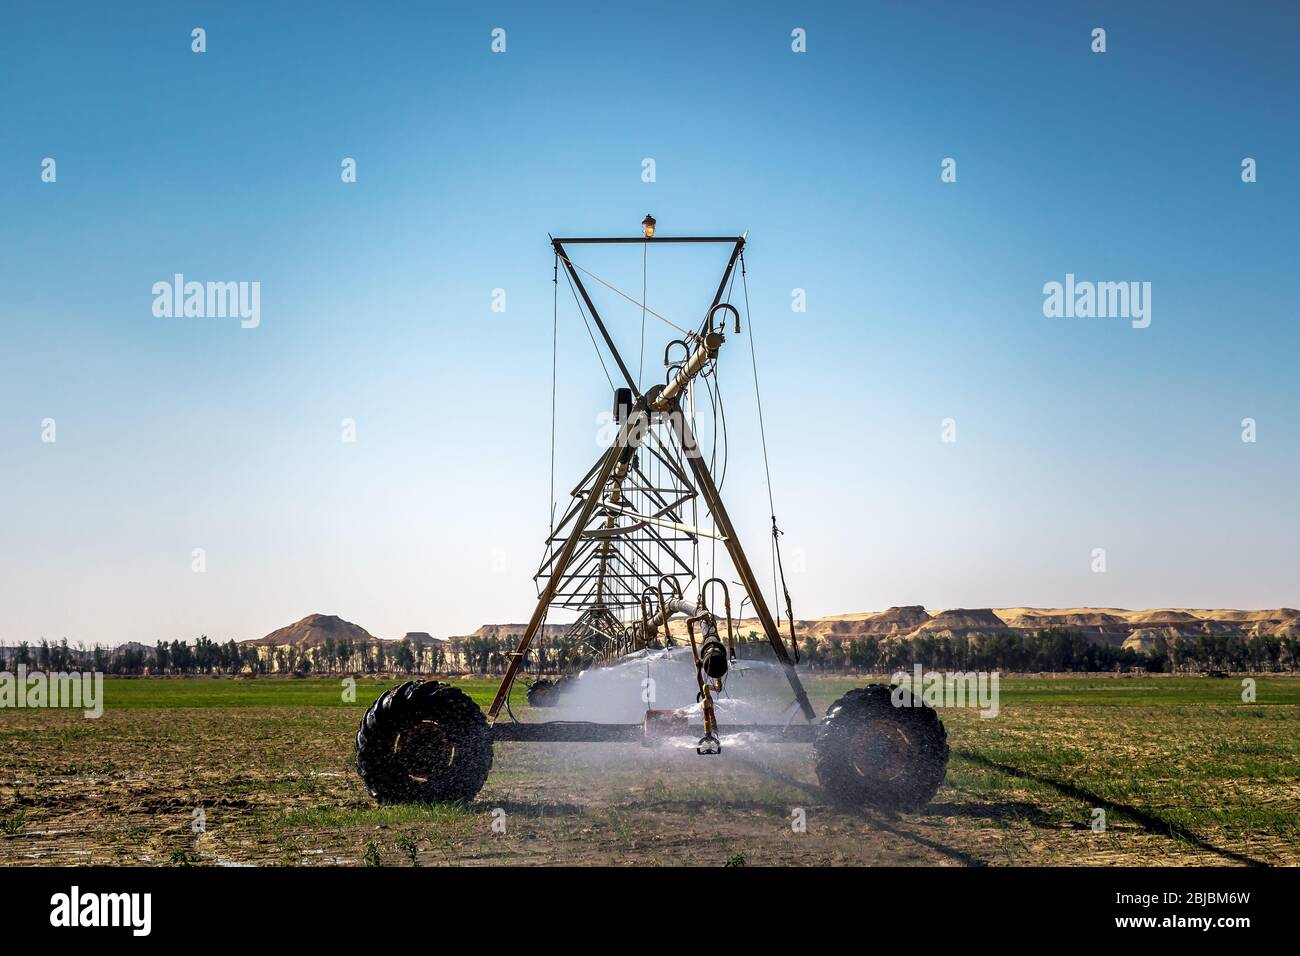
924, 299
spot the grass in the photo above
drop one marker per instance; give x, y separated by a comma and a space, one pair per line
1064, 691
153, 692
1124, 690
386, 816
409, 848
1183, 768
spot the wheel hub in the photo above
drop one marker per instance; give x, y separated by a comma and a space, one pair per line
881, 752
423, 749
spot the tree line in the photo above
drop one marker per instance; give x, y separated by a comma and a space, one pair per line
1053, 650
208, 657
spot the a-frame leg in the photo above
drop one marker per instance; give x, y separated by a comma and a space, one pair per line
719, 511
617, 453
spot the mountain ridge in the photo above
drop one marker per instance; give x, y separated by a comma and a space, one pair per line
1140, 629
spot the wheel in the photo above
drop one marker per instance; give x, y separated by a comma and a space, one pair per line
547, 693
424, 742
869, 752
541, 693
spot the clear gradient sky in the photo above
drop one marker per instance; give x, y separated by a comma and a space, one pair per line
924, 299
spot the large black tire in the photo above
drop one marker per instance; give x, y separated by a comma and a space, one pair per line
547, 693
541, 693
869, 752
424, 742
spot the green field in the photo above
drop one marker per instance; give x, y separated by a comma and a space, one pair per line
1183, 769
222, 692
1064, 691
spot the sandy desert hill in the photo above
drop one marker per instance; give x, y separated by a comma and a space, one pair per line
1137, 629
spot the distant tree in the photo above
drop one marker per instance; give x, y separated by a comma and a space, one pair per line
864, 653
1291, 651
1264, 652
810, 656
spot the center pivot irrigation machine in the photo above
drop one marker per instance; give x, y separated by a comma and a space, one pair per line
625, 557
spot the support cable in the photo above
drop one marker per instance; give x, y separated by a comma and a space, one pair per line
645, 255
629, 298
555, 353
767, 471
582, 312
550, 538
